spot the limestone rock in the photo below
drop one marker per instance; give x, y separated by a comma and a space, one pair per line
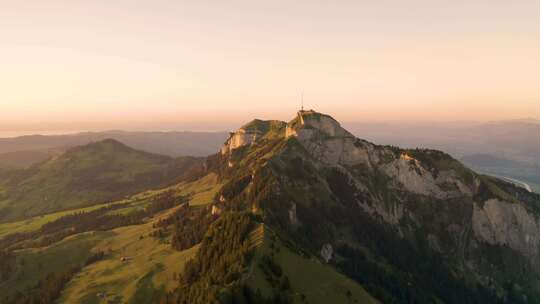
215, 210
240, 138
504, 223
292, 215
327, 252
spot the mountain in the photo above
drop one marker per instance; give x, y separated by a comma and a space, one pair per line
27, 150
290, 212
410, 225
89, 174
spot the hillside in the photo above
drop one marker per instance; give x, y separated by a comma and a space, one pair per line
292, 212
27, 150
94, 173
24, 159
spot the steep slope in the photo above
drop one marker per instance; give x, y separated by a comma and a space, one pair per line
90, 174
411, 225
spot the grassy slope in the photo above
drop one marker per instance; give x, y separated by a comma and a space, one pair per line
203, 191
117, 277
319, 283
148, 273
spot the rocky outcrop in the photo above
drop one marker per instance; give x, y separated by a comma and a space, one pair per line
326, 140
503, 223
240, 138
391, 214
327, 252
292, 215
250, 133
216, 210
412, 175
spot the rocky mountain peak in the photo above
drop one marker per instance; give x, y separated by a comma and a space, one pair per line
308, 123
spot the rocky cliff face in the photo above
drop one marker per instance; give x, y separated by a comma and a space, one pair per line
326, 140
250, 133
503, 223
240, 138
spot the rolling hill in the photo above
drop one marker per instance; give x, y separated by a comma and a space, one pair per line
95, 173
27, 150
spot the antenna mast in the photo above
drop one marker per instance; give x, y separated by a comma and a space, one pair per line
302, 100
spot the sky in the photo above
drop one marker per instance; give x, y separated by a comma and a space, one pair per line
160, 64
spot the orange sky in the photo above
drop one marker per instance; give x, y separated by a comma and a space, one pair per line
120, 61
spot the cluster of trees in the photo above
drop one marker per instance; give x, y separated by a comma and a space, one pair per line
224, 254
277, 279
187, 225
190, 228
48, 290
7, 259
166, 200
417, 274
67, 225
243, 294
98, 256
100, 219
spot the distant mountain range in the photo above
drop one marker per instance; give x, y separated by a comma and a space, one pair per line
26, 150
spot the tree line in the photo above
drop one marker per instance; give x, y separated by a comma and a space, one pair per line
49, 289
101, 219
